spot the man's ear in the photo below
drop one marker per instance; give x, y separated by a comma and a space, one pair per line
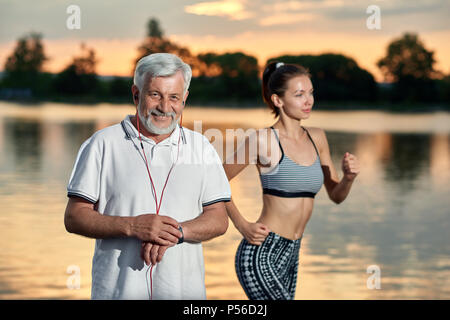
185, 97
135, 93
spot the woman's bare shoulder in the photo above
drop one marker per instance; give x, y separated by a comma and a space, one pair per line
318, 135
315, 131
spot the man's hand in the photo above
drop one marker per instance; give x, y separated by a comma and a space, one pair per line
157, 229
152, 253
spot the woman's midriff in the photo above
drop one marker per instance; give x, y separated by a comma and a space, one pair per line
286, 216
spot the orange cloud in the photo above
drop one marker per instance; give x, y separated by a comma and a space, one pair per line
233, 9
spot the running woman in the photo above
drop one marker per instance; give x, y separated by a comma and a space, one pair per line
293, 162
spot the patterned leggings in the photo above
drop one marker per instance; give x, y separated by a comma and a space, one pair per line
268, 271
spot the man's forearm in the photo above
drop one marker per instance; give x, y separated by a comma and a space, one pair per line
81, 218
90, 223
210, 224
197, 231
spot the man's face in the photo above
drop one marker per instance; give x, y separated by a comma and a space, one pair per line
161, 103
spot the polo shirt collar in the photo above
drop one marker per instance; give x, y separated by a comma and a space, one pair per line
132, 133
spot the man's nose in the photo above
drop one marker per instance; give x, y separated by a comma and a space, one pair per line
166, 105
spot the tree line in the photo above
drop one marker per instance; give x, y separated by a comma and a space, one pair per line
231, 78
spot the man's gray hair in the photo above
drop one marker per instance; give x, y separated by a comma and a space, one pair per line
161, 65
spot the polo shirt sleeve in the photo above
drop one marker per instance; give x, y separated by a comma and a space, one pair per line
216, 187
85, 178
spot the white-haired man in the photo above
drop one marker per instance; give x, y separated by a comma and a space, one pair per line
150, 191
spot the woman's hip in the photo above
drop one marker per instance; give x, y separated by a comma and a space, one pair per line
272, 250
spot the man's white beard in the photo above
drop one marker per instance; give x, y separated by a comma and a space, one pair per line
151, 127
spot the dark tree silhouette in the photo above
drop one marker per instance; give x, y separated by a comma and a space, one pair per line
28, 55
156, 42
153, 29
228, 77
410, 66
407, 57
79, 77
23, 68
335, 77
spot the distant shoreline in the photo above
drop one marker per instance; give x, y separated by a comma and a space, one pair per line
319, 105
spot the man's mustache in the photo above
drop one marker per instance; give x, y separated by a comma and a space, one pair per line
156, 112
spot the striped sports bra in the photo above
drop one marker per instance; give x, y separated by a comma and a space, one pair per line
292, 180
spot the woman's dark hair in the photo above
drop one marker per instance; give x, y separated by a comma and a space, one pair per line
275, 79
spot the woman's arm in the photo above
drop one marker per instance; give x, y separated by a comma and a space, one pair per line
254, 150
246, 153
350, 169
337, 190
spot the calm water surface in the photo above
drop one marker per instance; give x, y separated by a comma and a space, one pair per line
396, 216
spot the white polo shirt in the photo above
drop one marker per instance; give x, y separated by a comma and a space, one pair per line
110, 171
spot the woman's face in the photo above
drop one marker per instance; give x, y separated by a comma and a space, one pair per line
298, 99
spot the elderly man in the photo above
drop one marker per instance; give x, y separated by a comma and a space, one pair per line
150, 191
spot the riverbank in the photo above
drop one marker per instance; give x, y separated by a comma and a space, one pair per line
319, 105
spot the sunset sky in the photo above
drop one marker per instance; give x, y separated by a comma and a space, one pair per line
262, 28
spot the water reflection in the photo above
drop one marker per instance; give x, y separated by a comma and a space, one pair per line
396, 216
25, 146
440, 159
410, 155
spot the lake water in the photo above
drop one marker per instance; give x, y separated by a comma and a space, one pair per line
395, 220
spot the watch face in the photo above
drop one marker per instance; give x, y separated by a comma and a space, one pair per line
180, 240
